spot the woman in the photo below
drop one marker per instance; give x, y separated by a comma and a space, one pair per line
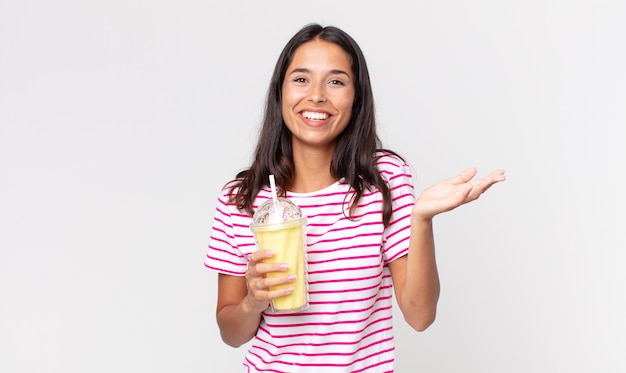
368, 237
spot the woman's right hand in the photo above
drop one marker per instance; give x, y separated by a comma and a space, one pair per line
259, 294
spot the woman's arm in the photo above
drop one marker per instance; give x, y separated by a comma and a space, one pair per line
242, 300
415, 276
237, 321
416, 279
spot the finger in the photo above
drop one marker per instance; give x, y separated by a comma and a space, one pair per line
270, 282
482, 185
497, 175
273, 294
477, 192
258, 257
492, 178
467, 175
261, 255
264, 289
279, 287
257, 286
262, 269
262, 284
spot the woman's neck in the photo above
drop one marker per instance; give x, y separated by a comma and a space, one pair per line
312, 170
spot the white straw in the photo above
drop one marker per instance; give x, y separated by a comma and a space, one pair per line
273, 187
274, 213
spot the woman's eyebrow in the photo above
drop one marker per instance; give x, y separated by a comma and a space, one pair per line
305, 70
337, 72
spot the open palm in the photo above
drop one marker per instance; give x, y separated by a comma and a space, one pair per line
454, 192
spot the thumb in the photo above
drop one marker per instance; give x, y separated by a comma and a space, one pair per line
468, 174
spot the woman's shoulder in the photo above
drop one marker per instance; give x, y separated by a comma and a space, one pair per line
229, 190
390, 161
394, 169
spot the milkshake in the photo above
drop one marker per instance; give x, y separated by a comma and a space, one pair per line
278, 225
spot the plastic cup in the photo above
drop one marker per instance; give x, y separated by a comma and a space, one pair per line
278, 225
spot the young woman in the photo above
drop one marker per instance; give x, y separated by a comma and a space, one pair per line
368, 237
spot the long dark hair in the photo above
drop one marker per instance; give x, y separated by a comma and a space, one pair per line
354, 158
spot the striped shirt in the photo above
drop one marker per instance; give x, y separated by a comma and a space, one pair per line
348, 325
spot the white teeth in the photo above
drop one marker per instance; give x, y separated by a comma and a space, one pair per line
314, 116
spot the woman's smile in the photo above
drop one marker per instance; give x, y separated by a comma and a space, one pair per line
315, 118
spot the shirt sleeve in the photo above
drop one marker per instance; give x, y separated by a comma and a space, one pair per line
400, 182
224, 254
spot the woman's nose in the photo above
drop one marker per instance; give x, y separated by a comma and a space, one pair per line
317, 94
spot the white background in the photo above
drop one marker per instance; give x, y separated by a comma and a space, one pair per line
121, 120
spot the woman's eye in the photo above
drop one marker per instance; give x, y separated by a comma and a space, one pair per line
336, 82
299, 80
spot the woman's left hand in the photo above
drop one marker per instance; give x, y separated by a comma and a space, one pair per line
453, 192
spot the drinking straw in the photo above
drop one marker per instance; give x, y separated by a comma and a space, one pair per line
274, 196
273, 187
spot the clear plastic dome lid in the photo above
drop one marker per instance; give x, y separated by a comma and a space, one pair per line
273, 213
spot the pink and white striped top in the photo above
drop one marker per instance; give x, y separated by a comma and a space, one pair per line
348, 325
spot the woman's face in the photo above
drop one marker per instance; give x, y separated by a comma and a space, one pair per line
318, 92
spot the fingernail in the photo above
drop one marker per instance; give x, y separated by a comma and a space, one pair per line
291, 277
283, 267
